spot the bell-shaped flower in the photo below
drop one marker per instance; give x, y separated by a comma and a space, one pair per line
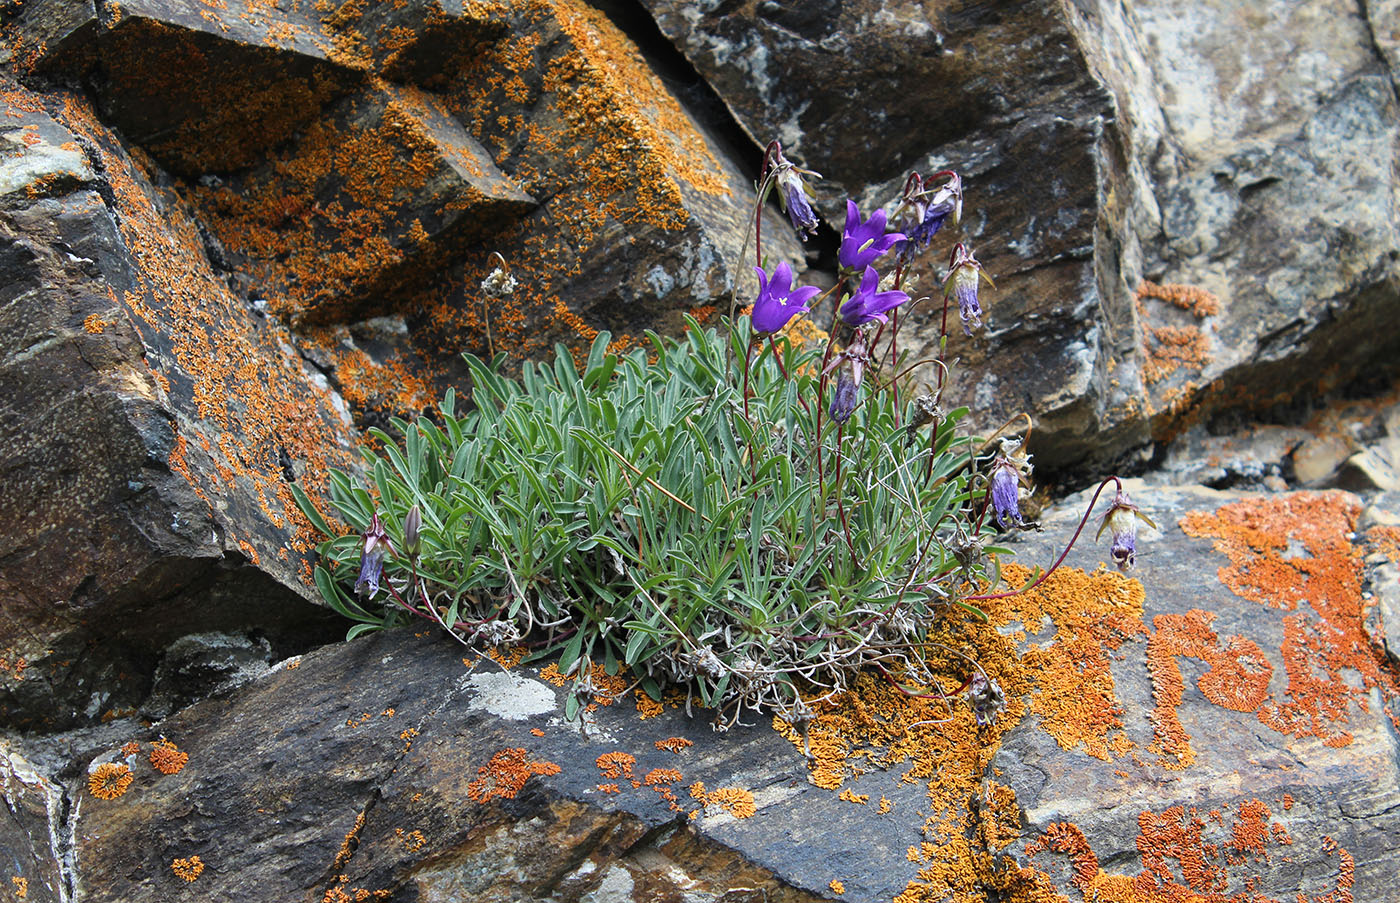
792, 196
963, 277
1122, 518
843, 400
863, 242
778, 301
869, 303
1006, 492
927, 212
375, 544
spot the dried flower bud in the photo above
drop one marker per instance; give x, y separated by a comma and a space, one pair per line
412, 526
985, 698
843, 400
499, 283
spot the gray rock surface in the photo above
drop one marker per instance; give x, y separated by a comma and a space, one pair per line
1251, 722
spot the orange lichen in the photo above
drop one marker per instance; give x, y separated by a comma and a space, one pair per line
536, 732
836, 886
21, 887
616, 765
189, 869
348, 845
1238, 678
94, 324
131, 748
1295, 553
885, 806
109, 780
734, 800
673, 744
550, 673
412, 841
167, 758
609, 788
1166, 349
1066, 838
505, 774
506, 658
850, 796
646, 706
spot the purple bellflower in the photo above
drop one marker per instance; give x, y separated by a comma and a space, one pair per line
862, 243
376, 542
868, 303
964, 275
927, 213
792, 196
843, 400
778, 301
1006, 492
1122, 518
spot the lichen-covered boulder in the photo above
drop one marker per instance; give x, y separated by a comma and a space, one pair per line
1180, 215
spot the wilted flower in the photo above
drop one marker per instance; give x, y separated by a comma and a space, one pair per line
792, 195
963, 276
926, 212
1122, 518
778, 301
862, 243
376, 542
1006, 492
868, 303
499, 282
985, 698
843, 401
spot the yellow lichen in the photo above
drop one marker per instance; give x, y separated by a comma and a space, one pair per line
109, 780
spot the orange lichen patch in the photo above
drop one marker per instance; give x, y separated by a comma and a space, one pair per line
850, 796
1166, 349
341, 893
507, 658
241, 379
673, 744
646, 706
1238, 678
609, 788
167, 758
607, 688
21, 887
1066, 838
1250, 832
1294, 553
536, 732
616, 765
109, 780
505, 775
885, 806
1094, 614
130, 749
550, 673
661, 776
1190, 298
1001, 816
413, 841
189, 869
354, 721
734, 800
1346, 873
1287, 801
12, 665
94, 323
348, 845
836, 886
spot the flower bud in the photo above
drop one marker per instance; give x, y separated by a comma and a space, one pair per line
412, 524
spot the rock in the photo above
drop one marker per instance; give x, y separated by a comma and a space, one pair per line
201, 665
33, 811
1239, 735
1191, 252
1253, 457
1374, 467
391, 163
1317, 458
142, 411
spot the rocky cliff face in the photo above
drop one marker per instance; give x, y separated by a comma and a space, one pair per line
236, 235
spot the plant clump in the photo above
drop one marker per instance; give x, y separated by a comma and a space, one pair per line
753, 521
